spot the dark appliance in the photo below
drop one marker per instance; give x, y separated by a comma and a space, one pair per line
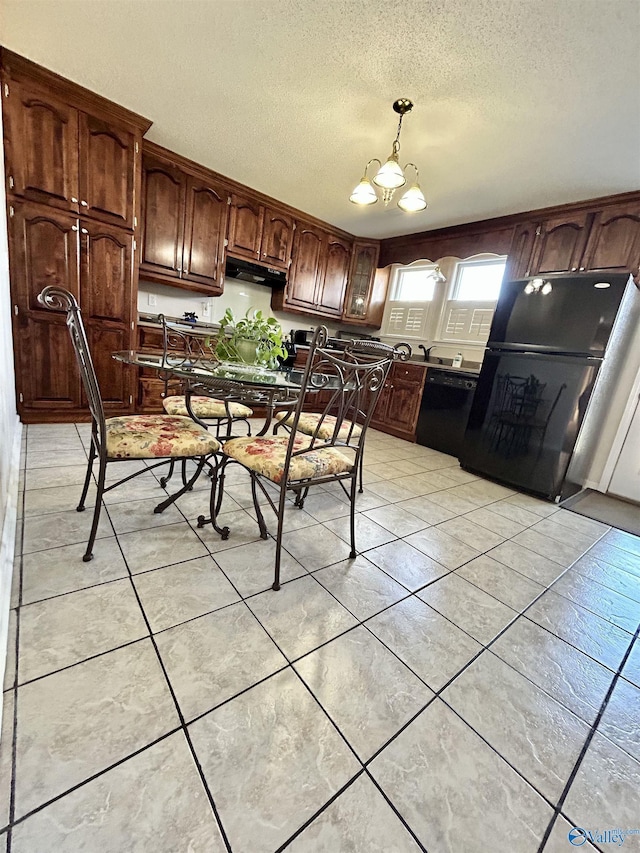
301, 337
547, 343
446, 403
254, 273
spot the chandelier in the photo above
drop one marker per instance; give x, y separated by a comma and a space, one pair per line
391, 176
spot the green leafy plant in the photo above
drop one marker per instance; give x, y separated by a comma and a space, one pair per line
264, 332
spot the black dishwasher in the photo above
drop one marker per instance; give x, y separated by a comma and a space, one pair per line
445, 407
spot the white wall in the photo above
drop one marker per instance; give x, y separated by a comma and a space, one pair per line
10, 429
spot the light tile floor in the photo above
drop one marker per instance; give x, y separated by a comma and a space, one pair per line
471, 682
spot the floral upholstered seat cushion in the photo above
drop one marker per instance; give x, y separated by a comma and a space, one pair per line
308, 424
205, 407
267, 456
157, 436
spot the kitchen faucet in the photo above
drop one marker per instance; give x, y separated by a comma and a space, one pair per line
427, 350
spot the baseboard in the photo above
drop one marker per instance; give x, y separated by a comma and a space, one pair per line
7, 548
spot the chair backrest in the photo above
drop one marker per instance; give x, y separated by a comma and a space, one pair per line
344, 387
56, 299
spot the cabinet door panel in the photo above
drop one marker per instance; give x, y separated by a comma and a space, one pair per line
163, 203
245, 228
107, 164
330, 298
44, 252
114, 378
49, 377
520, 251
614, 241
205, 229
361, 276
560, 244
105, 273
277, 236
404, 403
306, 266
42, 149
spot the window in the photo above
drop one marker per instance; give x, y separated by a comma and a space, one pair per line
468, 310
411, 297
478, 281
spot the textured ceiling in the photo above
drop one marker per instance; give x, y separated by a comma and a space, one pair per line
518, 103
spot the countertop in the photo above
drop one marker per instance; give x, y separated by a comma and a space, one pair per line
471, 367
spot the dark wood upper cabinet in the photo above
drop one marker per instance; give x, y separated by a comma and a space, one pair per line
184, 226
163, 206
559, 244
520, 253
207, 214
42, 146
258, 233
614, 240
107, 168
44, 251
245, 228
362, 271
67, 158
277, 239
330, 295
306, 268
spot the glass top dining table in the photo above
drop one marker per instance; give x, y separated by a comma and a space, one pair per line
230, 382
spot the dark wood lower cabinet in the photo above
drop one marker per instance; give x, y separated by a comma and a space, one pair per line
399, 402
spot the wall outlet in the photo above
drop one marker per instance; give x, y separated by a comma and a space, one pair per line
206, 310
152, 300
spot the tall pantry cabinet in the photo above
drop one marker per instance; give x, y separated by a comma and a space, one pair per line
73, 169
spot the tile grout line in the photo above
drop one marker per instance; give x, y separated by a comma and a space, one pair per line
587, 743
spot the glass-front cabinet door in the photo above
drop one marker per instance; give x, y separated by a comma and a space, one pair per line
363, 266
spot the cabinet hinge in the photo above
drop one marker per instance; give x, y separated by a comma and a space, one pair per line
6, 90
15, 310
228, 199
133, 326
10, 182
538, 230
11, 210
135, 221
135, 245
21, 398
137, 148
131, 399
226, 242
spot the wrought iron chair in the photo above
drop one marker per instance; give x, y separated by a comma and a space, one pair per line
126, 437
351, 382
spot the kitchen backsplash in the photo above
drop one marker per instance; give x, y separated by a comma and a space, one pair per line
240, 296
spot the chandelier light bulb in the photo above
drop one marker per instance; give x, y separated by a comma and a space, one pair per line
364, 193
413, 200
390, 176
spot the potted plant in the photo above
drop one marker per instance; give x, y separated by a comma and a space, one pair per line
252, 339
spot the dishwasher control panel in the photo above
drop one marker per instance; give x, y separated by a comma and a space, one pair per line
451, 379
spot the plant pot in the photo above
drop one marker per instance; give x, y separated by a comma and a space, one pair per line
247, 350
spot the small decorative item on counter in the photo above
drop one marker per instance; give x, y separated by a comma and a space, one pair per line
190, 317
252, 339
457, 361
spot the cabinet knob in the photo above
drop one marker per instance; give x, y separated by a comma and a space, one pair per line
581, 269
84, 230
84, 203
74, 227
74, 199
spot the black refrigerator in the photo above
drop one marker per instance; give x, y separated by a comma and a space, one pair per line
547, 343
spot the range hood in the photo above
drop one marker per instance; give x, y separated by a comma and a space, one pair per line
255, 273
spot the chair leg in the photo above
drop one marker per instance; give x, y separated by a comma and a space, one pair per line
88, 555
87, 479
215, 501
261, 523
189, 485
352, 519
165, 480
281, 506
360, 466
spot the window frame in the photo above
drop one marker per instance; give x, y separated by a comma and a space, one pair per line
426, 305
